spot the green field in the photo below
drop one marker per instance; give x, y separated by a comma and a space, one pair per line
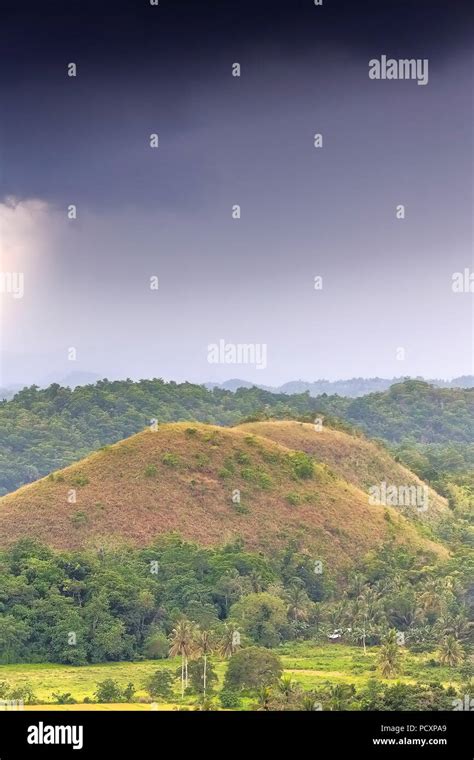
310, 665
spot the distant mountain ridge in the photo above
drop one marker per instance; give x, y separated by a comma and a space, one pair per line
351, 388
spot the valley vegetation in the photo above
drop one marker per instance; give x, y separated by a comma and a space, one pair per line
245, 615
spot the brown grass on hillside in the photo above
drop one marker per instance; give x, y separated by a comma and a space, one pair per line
181, 479
354, 458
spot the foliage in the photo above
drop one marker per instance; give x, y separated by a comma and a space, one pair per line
109, 691
117, 609
160, 684
44, 430
262, 617
389, 656
229, 699
196, 676
64, 699
252, 668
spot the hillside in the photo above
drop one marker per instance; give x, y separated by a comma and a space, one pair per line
182, 477
412, 409
353, 458
44, 430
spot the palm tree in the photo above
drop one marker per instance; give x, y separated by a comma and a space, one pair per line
230, 641
389, 656
308, 703
264, 696
232, 586
203, 647
339, 696
317, 615
390, 585
337, 614
456, 625
181, 643
286, 687
297, 601
431, 599
451, 652
368, 610
356, 585
257, 581
402, 609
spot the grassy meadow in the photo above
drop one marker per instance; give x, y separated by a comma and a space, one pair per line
309, 665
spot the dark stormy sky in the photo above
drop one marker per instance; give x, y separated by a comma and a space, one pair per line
223, 140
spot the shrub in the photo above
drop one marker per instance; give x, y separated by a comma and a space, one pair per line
259, 477
196, 676
301, 464
64, 699
160, 684
202, 460
242, 458
293, 498
212, 438
156, 647
229, 699
229, 465
273, 457
79, 518
150, 471
80, 480
4, 689
23, 693
171, 460
128, 692
108, 691
252, 668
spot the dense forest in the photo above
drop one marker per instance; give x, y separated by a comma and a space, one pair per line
102, 605
430, 429
177, 601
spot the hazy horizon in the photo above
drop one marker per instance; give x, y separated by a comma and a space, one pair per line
86, 377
